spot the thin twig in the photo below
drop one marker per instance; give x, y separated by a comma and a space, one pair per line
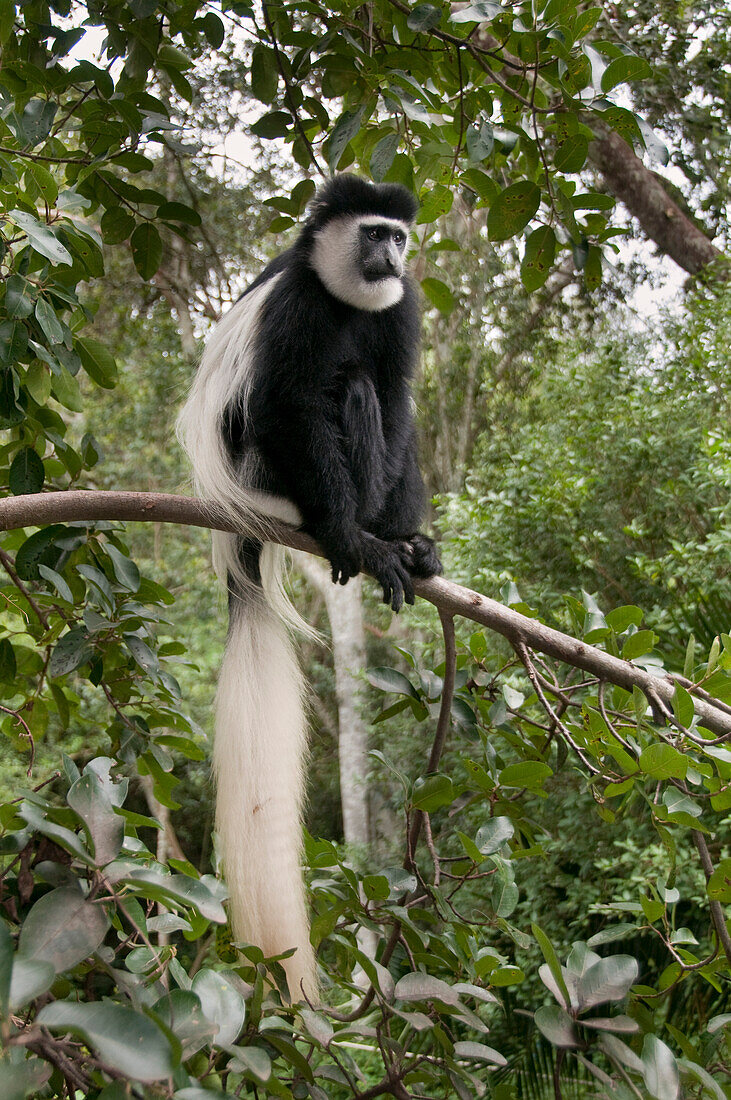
717, 916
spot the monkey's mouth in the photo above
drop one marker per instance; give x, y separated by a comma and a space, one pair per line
379, 276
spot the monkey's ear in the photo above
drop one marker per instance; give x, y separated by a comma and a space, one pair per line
317, 206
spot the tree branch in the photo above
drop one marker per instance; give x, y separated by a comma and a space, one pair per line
643, 194
36, 510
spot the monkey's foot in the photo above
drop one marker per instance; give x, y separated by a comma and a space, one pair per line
420, 555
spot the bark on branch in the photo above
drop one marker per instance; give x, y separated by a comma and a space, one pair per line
643, 194
44, 508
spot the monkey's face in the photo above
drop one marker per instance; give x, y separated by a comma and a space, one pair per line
360, 259
382, 247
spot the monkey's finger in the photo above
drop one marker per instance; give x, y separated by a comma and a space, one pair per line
407, 585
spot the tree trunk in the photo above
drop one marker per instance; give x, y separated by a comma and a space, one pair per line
642, 193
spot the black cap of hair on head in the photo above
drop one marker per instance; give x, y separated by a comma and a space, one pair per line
348, 194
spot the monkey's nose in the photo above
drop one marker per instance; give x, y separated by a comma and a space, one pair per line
393, 262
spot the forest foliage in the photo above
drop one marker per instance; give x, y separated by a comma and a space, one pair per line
547, 908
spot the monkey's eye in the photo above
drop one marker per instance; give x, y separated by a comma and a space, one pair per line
373, 234
398, 238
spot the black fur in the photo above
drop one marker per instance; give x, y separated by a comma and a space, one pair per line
329, 408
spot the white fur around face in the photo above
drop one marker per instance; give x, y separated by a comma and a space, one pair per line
335, 258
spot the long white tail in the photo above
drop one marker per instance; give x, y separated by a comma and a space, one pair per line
257, 758
260, 737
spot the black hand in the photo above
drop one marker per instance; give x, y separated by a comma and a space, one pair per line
385, 562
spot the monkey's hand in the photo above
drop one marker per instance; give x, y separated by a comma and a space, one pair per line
420, 555
344, 550
384, 561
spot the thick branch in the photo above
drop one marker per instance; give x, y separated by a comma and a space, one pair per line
44, 508
642, 193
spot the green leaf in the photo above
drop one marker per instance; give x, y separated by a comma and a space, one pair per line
26, 473
504, 897
67, 391
382, 156
264, 74
117, 225
87, 252
431, 792
390, 679
609, 979
46, 317
612, 933
31, 978
71, 651
317, 1026
213, 29
13, 342
19, 1079
39, 548
88, 798
418, 986
512, 210
125, 1040
625, 69
504, 976
45, 182
557, 1026
274, 124
549, 954
439, 295
424, 17
491, 836
479, 1052
146, 249
98, 362
62, 928
719, 884
41, 237
638, 644
683, 707
660, 1069
178, 212
145, 657
181, 1012
344, 131
622, 617
540, 252
480, 12
528, 773
19, 295
149, 883
662, 761
480, 141
222, 1004
125, 570
8, 666
571, 154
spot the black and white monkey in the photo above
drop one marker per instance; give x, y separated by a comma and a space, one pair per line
301, 411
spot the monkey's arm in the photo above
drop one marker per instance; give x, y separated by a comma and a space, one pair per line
401, 516
305, 449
